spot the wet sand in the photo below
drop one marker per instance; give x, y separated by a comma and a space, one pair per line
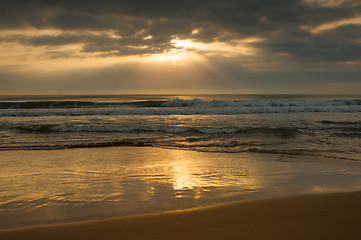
322, 216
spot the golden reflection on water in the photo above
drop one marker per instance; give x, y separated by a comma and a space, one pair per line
182, 171
91, 183
182, 177
116, 174
136, 174
199, 171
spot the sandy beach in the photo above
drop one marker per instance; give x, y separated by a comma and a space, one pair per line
320, 216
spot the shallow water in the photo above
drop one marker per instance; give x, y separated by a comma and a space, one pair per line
52, 186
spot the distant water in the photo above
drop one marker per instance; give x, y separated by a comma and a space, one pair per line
327, 126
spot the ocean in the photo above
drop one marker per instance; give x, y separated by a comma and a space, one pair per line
323, 126
66, 158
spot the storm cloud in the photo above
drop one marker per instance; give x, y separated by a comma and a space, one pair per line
278, 22
311, 35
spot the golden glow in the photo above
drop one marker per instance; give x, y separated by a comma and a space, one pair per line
182, 177
48, 58
235, 47
186, 49
33, 32
332, 25
148, 37
195, 31
325, 3
192, 171
183, 43
171, 56
68, 57
59, 58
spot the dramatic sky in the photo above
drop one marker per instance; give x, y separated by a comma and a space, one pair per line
184, 46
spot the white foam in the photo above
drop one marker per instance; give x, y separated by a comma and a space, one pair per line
197, 106
177, 111
196, 102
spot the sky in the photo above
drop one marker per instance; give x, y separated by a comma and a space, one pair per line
188, 46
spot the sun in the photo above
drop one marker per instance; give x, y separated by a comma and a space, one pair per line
186, 49
183, 43
183, 50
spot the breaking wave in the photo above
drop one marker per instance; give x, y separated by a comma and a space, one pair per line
196, 102
75, 104
49, 128
175, 111
175, 106
177, 102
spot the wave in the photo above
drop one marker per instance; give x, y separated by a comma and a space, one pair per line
53, 128
75, 104
178, 103
219, 147
196, 102
174, 111
340, 123
117, 143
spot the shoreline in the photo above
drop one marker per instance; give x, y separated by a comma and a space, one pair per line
128, 181
316, 216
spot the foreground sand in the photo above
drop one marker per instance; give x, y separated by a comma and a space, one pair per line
324, 216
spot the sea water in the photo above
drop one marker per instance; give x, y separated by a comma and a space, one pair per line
197, 150
323, 126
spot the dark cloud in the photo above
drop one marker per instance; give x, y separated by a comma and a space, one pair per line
333, 45
104, 44
278, 22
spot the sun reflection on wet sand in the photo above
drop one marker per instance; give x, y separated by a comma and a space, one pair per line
81, 184
194, 171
